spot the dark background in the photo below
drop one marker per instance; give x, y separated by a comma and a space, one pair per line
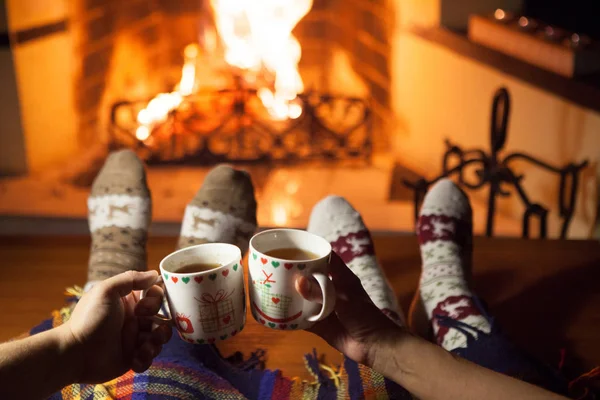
581, 16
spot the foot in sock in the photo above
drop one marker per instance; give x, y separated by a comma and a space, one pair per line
119, 209
223, 210
334, 219
445, 234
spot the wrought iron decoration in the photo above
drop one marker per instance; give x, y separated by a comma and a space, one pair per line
493, 170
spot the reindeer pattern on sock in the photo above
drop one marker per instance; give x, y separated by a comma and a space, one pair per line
118, 210
113, 209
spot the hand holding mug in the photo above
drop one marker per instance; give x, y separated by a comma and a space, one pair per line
357, 327
205, 292
277, 257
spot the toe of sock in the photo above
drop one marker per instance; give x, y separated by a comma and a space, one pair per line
334, 216
124, 162
123, 173
446, 198
228, 190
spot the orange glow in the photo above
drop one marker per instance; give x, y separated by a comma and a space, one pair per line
257, 35
188, 73
142, 132
279, 215
499, 14
158, 109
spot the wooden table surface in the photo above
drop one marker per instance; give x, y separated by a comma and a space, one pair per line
545, 294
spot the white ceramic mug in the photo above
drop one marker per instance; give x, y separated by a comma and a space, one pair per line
206, 306
274, 301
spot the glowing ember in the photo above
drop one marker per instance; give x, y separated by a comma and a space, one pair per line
257, 34
159, 107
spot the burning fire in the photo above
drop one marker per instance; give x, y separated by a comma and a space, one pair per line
159, 107
258, 34
257, 38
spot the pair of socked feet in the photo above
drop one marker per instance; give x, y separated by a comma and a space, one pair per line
224, 210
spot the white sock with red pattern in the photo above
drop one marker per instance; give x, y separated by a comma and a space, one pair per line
334, 219
445, 234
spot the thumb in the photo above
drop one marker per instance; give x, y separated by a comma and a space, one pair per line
125, 283
309, 289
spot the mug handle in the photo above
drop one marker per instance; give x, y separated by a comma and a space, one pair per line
328, 291
158, 318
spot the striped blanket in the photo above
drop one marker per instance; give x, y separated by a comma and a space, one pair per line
187, 371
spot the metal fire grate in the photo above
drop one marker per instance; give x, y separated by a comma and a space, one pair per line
231, 125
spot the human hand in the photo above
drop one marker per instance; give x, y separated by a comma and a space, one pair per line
110, 328
357, 327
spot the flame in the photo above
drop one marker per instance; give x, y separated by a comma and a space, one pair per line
257, 35
158, 109
188, 73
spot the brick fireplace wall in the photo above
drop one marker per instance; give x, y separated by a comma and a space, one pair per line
127, 49
71, 59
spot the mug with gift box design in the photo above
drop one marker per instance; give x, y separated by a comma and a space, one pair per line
209, 303
277, 257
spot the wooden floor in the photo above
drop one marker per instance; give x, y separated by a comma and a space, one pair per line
544, 293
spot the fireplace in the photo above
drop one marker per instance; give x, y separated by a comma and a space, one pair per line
375, 103
117, 56
164, 79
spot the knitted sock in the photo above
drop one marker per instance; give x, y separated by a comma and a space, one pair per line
334, 219
223, 210
445, 235
119, 211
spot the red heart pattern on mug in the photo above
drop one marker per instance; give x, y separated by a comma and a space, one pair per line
263, 260
288, 265
211, 340
174, 279
275, 300
198, 278
227, 319
262, 321
225, 272
283, 326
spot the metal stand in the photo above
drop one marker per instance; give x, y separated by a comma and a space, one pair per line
329, 128
494, 170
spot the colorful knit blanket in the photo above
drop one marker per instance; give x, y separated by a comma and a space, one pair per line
187, 371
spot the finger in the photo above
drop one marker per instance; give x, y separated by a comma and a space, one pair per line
309, 289
161, 335
139, 366
129, 305
145, 354
136, 295
150, 305
129, 338
126, 282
